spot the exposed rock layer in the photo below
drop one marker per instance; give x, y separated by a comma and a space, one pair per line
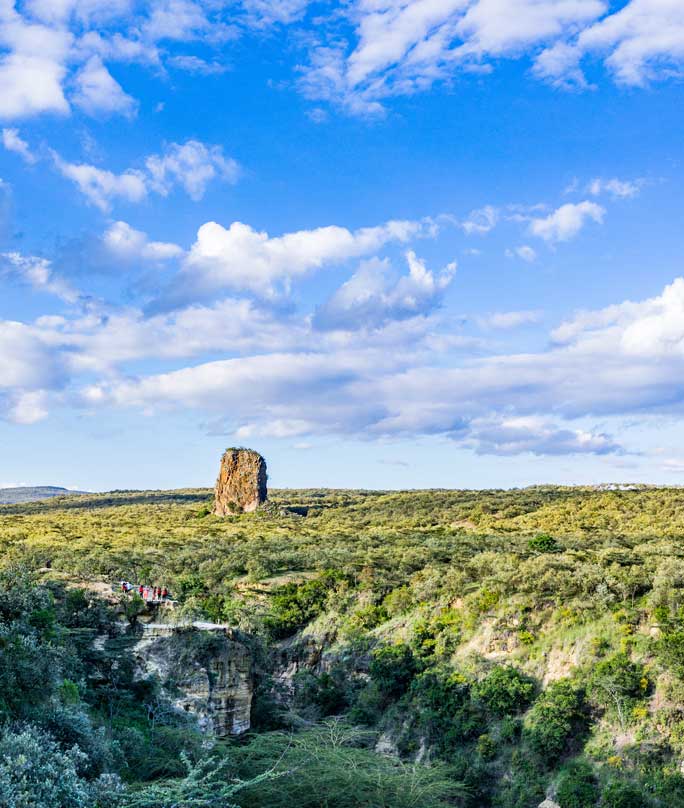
204, 669
241, 483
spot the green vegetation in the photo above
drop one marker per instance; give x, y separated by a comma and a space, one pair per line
452, 648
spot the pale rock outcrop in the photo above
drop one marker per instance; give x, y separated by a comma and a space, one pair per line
204, 669
241, 483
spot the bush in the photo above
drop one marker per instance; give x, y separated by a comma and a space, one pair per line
556, 716
505, 690
577, 786
543, 543
332, 765
393, 668
294, 605
325, 693
615, 683
622, 795
34, 772
443, 713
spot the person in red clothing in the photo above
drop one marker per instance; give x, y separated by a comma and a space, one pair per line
141, 590
165, 593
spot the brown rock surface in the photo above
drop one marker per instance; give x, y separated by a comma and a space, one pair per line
241, 483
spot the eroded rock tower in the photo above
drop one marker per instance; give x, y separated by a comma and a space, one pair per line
241, 483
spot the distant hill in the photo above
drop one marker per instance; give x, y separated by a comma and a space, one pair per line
12, 496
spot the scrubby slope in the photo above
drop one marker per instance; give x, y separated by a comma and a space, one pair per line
531, 641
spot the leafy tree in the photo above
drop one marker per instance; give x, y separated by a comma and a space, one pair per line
505, 690
556, 717
35, 772
209, 782
393, 668
577, 786
618, 794
616, 682
294, 605
543, 543
332, 766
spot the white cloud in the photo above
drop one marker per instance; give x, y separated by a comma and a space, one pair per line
640, 42
240, 257
509, 319
27, 361
126, 242
27, 408
400, 47
405, 46
100, 186
193, 165
38, 273
268, 12
481, 221
12, 141
97, 92
524, 251
535, 435
31, 85
622, 189
84, 11
193, 64
626, 359
369, 299
566, 221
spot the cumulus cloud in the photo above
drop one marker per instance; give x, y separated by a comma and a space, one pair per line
126, 242
52, 45
405, 47
535, 435
360, 54
370, 299
401, 48
38, 273
509, 319
566, 221
639, 43
27, 408
192, 165
28, 362
239, 257
621, 189
481, 221
98, 92
524, 251
12, 141
193, 64
623, 360
100, 186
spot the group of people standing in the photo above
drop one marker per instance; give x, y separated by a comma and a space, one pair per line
150, 593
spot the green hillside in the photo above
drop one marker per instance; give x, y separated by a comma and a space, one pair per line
467, 648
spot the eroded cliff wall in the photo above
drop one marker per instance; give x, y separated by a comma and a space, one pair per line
204, 669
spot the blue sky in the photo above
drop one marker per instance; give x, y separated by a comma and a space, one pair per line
388, 243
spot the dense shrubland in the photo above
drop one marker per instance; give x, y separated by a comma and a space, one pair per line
472, 648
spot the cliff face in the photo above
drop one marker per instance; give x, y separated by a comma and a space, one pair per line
204, 670
241, 483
